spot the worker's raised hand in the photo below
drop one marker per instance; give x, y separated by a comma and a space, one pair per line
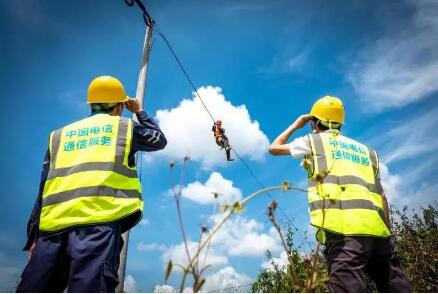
133, 105
302, 121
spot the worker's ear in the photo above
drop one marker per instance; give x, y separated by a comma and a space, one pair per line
314, 125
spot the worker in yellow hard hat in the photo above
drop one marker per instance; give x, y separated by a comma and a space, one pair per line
89, 195
347, 204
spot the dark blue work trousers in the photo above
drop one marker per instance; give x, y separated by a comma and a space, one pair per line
83, 259
351, 258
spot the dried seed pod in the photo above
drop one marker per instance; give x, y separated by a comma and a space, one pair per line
306, 163
238, 207
286, 186
224, 207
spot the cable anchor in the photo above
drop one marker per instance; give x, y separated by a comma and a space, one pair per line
146, 16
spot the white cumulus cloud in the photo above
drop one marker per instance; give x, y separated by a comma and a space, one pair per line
216, 183
401, 67
164, 289
408, 188
280, 261
227, 280
391, 183
238, 237
130, 285
243, 237
177, 254
188, 129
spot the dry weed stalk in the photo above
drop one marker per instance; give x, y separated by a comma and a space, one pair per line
311, 282
194, 266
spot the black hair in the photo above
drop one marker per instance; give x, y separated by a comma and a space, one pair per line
103, 107
323, 127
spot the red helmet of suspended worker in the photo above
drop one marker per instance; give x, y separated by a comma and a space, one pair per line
219, 122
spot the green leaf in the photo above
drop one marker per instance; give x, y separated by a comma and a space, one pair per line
169, 268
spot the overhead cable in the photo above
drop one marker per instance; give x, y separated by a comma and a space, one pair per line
151, 23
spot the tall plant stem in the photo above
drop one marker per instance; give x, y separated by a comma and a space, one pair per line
230, 213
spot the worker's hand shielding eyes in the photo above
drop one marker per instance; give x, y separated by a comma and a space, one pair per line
302, 121
133, 105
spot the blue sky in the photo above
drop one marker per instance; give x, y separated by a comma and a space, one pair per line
259, 64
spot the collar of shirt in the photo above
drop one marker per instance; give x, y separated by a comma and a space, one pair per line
334, 131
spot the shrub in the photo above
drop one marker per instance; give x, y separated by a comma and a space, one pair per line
416, 242
416, 238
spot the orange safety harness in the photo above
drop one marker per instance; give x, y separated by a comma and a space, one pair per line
218, 134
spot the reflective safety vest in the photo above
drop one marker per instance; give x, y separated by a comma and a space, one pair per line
90, 181
344, 190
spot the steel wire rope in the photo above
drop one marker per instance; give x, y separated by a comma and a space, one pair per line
261, 184
161, 34
154, 25
229, 288
172, 51
151, 23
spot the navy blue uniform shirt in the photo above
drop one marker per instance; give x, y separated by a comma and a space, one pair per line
147, 136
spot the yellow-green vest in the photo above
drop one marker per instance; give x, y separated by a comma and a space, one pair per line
90, 180
344, 188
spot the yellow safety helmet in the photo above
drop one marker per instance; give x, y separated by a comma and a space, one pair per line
106, 89
329, 109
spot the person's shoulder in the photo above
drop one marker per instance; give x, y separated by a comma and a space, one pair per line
300, 147
302, 140
304, 137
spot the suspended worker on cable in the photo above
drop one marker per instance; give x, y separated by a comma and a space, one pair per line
89, 195
347, 203
221, 138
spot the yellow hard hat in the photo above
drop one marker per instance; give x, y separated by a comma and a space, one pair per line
106, 89
328, 109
